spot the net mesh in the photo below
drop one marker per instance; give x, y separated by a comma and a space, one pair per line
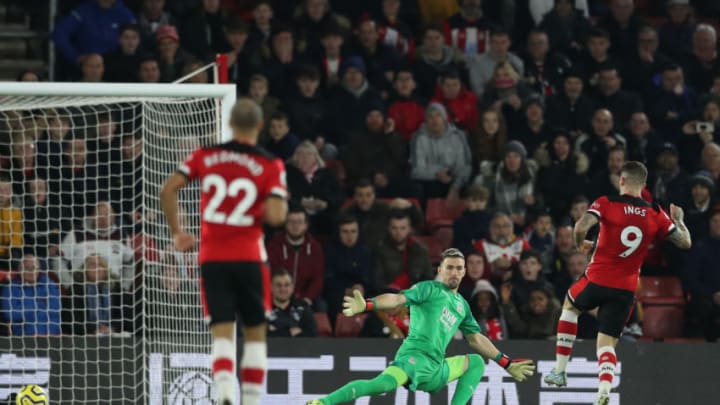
91, 286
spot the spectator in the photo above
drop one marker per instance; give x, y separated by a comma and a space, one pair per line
282, 142
506, 91
622, 104
314, 187
99, 236
512, 182
562, 173
28, 76
481, 68
529, 277
460, 103
502, 248
643, 143
673, 103
710, 159
539, 9
312, 16
623, 25
406, 110
485, 306
601, 139
676, 33
308, 110
393, 323
351, 101
537, 319
42, 223
296, 250
698, 133
93, 306
242, 59
646, 62
348, 264
394, 29
596, 57
541, 235
31, 301
23, 165
474, 223
433, 57
703, 62
702, 279
128, 183
570, 108
439, 156
531, 130
152, 16
671, 182
92, 68
578, 207
123, 62
330, 55
544, 69
202, 30
11, 226
567, 26
281, 56
699, 204
258, 89
149, 70
262, 24
91, 28
289, 317
172, 57
72, 184
468, 31
555, 263
488, 141
605, 181
104, 149
400, 260
195, 67
381, 60
474, 272
378, 153
50, 142
373, 215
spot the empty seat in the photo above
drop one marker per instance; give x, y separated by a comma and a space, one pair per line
349, 327
437, 212
661, 291
323, 324
433, 246
663, 321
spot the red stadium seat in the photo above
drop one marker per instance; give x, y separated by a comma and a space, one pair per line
433, 245
337, 167
438, 214
323, 324
663, 321
661, 291
349, 327
444, 235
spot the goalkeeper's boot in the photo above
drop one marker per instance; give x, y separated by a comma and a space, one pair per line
602, 399
557, 379
314, 402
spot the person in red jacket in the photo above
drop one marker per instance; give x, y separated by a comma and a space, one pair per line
299, 253
461, 103
405, 110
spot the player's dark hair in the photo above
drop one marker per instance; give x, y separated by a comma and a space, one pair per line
346, 219
246, 115
396, 214
529, 254
363, 183
281, 272
635, 172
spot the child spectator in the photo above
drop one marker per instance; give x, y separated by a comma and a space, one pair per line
537, 319
486, 310
528, 278
258, 91
308, 110
31, 301
122, 63
406, 111
11, 226
541, 236
472, 226
282, 142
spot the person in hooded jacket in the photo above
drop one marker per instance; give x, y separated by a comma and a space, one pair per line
485, 307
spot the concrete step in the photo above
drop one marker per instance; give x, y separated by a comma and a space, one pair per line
13, 48
10, 68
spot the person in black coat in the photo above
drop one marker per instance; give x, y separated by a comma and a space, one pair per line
307, 109
202, 30
702, 279
566, 27
289, 317
314, 187
621, 103
474, 223
605, 181
569, 108
122, 63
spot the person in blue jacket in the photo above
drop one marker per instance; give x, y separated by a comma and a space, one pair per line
93, 27
31, 301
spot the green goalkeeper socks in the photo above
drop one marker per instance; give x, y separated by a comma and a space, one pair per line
388, 381
469, 380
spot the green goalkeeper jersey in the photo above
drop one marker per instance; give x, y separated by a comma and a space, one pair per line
436, 313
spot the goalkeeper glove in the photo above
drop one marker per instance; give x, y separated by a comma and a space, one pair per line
357, 304
519, 369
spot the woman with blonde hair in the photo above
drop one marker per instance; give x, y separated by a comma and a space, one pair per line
506, 89
313, 186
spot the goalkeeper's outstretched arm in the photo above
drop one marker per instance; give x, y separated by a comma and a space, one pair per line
519, 370
357, 304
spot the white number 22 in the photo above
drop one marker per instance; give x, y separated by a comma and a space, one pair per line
631, 237
223, 190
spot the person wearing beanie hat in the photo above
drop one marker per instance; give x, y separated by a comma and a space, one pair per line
517, 147
484, 304
440, 158
700, 202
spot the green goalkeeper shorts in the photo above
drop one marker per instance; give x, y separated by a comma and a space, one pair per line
424, 374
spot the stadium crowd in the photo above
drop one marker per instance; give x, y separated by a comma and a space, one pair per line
408, 126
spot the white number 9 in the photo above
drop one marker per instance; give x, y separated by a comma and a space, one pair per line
631, 237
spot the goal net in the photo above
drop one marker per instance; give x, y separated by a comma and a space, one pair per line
97, 306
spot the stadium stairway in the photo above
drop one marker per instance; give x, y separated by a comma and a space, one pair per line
21, 47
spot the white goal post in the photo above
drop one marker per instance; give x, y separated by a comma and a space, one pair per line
81, 166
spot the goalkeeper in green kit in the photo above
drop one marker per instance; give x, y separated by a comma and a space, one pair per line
437, 311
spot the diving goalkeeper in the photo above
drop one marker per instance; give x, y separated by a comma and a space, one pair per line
436, 313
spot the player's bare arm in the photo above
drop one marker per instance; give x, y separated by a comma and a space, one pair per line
275, 211
168, 201
582, 226
681, 236
357, 304
519, 370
